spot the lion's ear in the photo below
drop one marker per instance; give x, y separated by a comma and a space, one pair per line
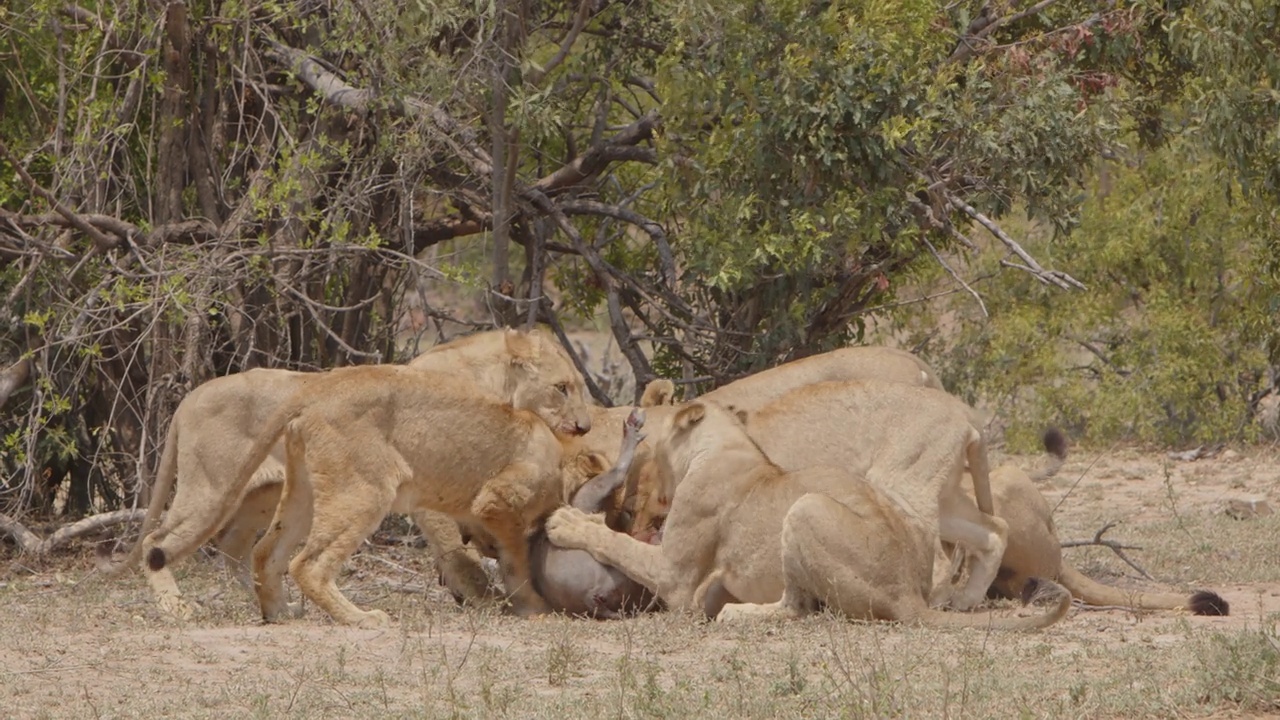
658, 392
689, 416
522, 346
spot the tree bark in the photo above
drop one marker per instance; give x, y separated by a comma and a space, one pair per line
175, 116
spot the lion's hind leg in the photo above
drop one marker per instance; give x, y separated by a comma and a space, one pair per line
982, 538
290, 524
348, 506
237, 539
855, 556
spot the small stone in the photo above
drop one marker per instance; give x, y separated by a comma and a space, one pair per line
1248, 508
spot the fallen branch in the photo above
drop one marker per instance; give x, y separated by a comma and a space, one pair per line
31, 544
1116, 547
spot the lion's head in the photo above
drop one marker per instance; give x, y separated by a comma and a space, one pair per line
543, 379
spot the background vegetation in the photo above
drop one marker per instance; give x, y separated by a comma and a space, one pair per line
196, 188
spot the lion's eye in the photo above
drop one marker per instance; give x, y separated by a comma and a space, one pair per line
563, 388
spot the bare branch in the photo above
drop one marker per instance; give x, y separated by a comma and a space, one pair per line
985, 23
936, 256
594, 388
101, 241
27, 541
1116, 547
537, 75
655, 231
1055, 277
31, 544
609, 150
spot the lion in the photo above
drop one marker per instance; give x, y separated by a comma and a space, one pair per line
362, 442
816, 424
742, 527
645, 503
1034, 550
219, 420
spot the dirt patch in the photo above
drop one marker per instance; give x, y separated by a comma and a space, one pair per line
75, 645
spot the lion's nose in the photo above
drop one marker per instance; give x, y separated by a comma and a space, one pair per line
583, 426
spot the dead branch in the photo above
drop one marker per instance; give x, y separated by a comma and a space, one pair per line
27, 541
1051, 277
654, 230
956, 276
196, 230
617, 148
100, 240
1117, 547
984, 24
31, 544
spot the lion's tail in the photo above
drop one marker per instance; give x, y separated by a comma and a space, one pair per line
157, 558
1055, 447
1091, 592
1034, 589
980, 471
166, 473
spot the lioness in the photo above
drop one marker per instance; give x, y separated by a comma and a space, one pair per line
1034, 551
365, 441
646, 502
874, 553
818, 424
916, 441
217, 422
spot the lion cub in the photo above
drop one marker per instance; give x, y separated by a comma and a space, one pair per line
741, 527
366, 441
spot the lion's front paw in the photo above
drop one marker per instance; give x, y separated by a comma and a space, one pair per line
565, 527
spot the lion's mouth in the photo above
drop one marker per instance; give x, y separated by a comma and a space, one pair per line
573, 429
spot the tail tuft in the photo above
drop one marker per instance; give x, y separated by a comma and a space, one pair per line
1055, 443
156, 559
1030, 589
1207, 602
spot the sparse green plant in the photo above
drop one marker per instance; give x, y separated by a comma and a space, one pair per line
563, 660
1242, 668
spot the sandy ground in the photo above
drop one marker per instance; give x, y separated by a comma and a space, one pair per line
73, 644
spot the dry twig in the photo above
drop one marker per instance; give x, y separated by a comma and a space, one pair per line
1117, 547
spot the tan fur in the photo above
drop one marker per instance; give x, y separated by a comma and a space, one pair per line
741, 523
218, 421
914, 441
658, 392
1034, 549
647, 503
362, 442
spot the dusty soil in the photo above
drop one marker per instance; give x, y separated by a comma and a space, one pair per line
73, 644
